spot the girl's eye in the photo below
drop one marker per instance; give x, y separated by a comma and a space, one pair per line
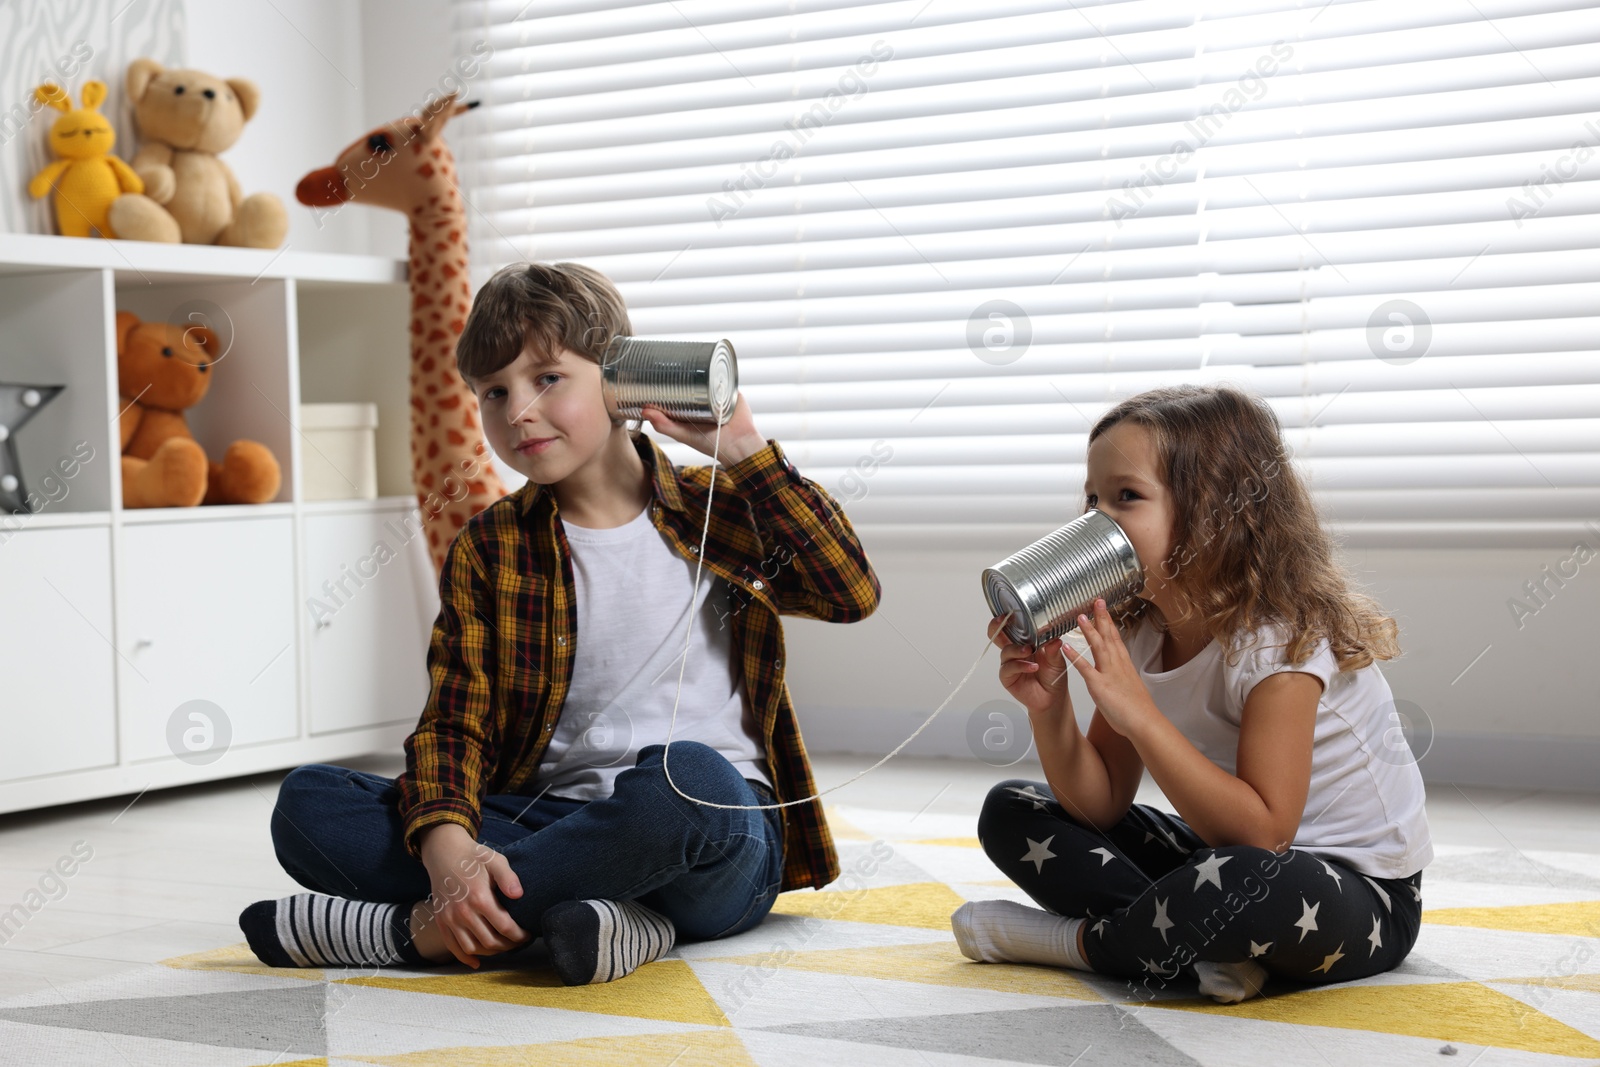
1130, 492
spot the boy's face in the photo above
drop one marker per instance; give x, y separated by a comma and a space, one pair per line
1123, 484
545, 419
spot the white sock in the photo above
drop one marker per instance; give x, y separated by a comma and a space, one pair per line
1229, 983
1003, 931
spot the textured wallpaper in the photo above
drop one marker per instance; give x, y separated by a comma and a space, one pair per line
69, 43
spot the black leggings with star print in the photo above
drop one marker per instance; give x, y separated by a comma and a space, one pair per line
1158, 898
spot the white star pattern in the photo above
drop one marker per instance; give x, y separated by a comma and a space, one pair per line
1259, 950
1374, 937
1149, 837
1308, 917
1416, 894
1152, 965
1106, 855
1378, 889
1332, 874
1099, 927
1038, 852
1030, 793
1209, 870
1161, 922
1168, 834
1329, 960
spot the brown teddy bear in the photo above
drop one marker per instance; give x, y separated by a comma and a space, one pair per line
185, 118
162, 369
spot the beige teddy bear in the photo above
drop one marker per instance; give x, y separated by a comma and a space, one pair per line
185, 118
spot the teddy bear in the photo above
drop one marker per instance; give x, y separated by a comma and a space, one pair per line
163, 369
87, 178
185, 117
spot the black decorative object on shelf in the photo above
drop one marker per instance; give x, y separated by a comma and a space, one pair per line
18, 404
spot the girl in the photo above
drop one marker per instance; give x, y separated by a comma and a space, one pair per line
1243, 676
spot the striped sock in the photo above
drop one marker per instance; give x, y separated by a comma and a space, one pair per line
313, 930
603, 940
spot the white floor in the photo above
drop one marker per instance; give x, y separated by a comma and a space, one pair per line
168, 872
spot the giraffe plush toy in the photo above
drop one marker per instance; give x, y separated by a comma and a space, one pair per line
406, 166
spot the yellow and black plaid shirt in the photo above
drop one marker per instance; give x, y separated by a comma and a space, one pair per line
501, 655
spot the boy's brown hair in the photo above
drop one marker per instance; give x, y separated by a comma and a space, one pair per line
545, 307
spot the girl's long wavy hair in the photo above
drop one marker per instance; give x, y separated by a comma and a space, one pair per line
1249, 547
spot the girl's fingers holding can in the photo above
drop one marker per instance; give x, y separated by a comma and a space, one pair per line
1010, 652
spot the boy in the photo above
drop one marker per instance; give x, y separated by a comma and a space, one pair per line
535, 798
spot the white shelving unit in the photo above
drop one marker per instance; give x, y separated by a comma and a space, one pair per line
279, 618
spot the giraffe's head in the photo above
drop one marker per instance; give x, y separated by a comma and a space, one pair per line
402, 165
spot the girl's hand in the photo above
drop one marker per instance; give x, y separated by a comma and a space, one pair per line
1112, 679
1036, 679
739, 436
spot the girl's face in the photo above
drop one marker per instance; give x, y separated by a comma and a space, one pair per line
559, 404
1123, 484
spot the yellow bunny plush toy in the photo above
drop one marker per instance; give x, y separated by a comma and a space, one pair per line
85, 176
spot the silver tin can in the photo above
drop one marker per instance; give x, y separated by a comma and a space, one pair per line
1048, 584
695, 381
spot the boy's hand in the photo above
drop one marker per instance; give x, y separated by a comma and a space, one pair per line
464, 875
739, 436
1036, 678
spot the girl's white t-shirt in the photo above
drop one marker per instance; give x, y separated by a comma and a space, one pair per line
633, 597
1365, 807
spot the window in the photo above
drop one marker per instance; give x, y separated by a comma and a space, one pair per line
944, 236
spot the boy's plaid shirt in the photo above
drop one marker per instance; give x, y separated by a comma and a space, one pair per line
500, 659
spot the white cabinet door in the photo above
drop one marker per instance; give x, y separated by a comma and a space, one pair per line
209, 637
57, 685
370, 603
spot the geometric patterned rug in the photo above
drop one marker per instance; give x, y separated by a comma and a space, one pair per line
1506, 971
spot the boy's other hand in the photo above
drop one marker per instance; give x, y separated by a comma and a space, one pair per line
739, 436
1036, 679
464, 875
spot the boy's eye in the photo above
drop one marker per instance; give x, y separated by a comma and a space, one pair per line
551, 374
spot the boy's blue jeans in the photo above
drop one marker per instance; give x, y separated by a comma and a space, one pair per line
712, 871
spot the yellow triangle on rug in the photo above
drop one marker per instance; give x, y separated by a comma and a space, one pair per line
1464, 1012
666, 990
925, 904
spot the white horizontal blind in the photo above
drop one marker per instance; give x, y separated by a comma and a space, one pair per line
1381, 216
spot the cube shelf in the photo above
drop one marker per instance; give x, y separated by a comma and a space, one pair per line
155, 647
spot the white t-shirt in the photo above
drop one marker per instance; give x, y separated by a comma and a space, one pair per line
1365, 805
633, 595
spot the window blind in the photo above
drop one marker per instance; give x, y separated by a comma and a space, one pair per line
944, 236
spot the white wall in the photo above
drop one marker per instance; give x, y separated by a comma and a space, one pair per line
1522, 715
306, 56
407, 46
329, 71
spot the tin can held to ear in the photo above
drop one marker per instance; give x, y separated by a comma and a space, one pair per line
694, 381
1048, 584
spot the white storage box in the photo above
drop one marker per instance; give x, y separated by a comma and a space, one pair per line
339, 452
